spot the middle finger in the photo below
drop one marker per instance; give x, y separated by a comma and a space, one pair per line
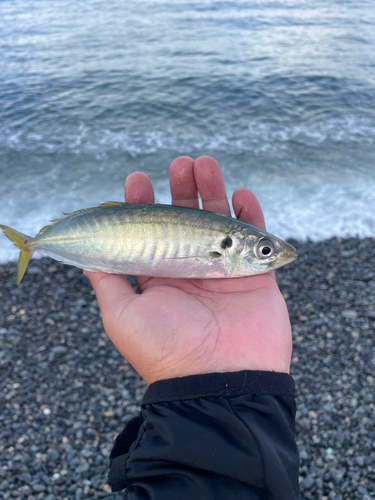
210, 184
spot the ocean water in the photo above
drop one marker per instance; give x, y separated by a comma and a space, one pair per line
281, 93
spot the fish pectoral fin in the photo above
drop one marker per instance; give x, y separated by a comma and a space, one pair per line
215, 255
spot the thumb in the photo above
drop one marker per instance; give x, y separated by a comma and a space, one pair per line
112, 291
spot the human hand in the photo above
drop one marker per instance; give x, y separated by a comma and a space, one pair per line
179, 327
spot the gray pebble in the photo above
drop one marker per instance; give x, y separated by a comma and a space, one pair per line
38, 487
349, 314
308, 482
59, 349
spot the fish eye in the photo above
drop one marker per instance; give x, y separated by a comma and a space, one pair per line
265, 249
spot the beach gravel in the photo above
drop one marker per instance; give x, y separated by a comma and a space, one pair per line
66, 392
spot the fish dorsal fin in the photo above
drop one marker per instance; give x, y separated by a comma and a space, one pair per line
107, 204
44, 229
68, 214
111, 204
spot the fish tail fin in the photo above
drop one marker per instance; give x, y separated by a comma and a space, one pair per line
19, 240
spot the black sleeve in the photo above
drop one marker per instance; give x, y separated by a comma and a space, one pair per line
219, 436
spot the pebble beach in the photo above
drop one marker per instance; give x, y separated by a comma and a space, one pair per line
66, 392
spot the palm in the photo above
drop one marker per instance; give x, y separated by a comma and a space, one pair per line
177, 327
180, 327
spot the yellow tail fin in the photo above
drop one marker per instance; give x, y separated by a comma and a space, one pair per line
20, 241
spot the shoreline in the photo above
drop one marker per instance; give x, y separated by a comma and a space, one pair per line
67, 392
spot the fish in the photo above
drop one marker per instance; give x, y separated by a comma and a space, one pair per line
154, 240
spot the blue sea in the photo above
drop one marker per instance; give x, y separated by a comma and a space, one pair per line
281, 93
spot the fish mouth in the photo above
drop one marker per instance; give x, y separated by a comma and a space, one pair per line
289, 254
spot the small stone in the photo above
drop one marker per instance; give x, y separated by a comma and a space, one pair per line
348, 253
106, 488
330, 275
53, 456
52, 269
312, 414
337, 475
72, 273
362, 490
304, 424
109, 413
34, 270
360, 461
26, 489
367, 276
308, 482
59, 349
370, 379
82, 468
38, 487
355, 335
303, 318
49, 321
349, 314
329, 451
369, 313
47, 411
354, 402
80, 302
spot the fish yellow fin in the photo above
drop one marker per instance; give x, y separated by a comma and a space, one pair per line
19, 240
109, 204
44, 229
23, 262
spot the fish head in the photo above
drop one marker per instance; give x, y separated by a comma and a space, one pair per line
253, 251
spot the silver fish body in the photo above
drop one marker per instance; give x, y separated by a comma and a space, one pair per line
160, 240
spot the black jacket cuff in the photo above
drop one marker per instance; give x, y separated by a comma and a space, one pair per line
214, 436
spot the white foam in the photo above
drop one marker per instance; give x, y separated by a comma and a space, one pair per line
257, 137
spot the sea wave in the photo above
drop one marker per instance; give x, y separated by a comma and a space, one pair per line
258, 137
